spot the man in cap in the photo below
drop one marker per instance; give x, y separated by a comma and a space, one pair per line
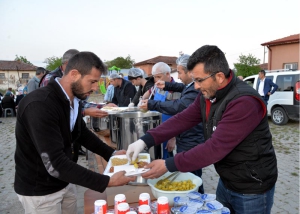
124, 91
136, 77
161, 71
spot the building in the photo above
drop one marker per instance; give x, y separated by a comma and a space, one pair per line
283, 53
15, 73
148, 64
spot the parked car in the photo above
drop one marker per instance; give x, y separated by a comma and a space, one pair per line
284, 103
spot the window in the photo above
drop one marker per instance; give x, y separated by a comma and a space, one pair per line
291, 66
286, 82
25, 75
2, 75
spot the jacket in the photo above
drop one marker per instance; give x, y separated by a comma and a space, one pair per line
268, 84
8, 102
192, 137
46, 78
123, 93
241, 117
251, 167
142, 90
33, 84
44, 145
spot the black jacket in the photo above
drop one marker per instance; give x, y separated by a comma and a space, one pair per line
123, 93
142, 90
44, 145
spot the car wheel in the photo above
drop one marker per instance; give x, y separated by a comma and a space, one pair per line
279, 116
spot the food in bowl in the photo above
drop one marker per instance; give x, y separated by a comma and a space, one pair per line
175, 185
171, 194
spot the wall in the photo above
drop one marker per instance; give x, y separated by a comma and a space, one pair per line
282, 54
14, 78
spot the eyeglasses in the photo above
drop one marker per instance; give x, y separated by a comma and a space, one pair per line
200, 80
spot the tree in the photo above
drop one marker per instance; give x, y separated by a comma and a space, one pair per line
53, 62
22, 59
248, 65
121, 62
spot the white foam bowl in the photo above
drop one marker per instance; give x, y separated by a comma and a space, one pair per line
171, 194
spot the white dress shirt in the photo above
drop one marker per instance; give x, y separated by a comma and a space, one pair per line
73, 111
261, 87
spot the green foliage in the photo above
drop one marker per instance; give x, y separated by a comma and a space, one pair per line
247, 66
53, 62
23, 59
121, 62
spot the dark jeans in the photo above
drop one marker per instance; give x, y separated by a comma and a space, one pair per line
239, 203
196, 172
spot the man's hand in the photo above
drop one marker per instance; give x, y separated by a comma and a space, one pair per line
119, 179
158, 168
160, 84
135, 148
171, 144
120, 152
95, 112
144, 105
131, 105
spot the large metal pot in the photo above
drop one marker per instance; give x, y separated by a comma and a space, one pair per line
132, 126
99, 124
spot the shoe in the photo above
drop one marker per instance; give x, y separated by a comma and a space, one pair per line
81, 152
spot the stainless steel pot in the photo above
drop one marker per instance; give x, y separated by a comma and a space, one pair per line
99, 124
113, 128
132, 126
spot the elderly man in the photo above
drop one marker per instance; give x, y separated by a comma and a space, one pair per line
161, 71
136, 77
48, 123
124, 91
34, 82
238, 138
194, 136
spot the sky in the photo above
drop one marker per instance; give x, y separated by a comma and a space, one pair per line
38, 29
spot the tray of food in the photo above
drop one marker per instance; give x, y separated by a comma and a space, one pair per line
119, 163
114, 110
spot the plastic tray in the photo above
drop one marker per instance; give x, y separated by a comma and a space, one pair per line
130, 169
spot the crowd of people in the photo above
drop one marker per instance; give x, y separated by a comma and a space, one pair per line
211, 117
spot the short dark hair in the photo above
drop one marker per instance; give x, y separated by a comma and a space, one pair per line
212, 57
84, 62
40, 70
263, 72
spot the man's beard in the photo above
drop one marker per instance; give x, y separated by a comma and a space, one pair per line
77, 90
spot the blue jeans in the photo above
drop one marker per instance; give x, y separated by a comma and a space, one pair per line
196, 172
239, 203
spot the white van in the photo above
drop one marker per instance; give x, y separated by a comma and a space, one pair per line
284, 103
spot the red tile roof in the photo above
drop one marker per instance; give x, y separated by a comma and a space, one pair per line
166, 59
16, 65
264, 66
285, 40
